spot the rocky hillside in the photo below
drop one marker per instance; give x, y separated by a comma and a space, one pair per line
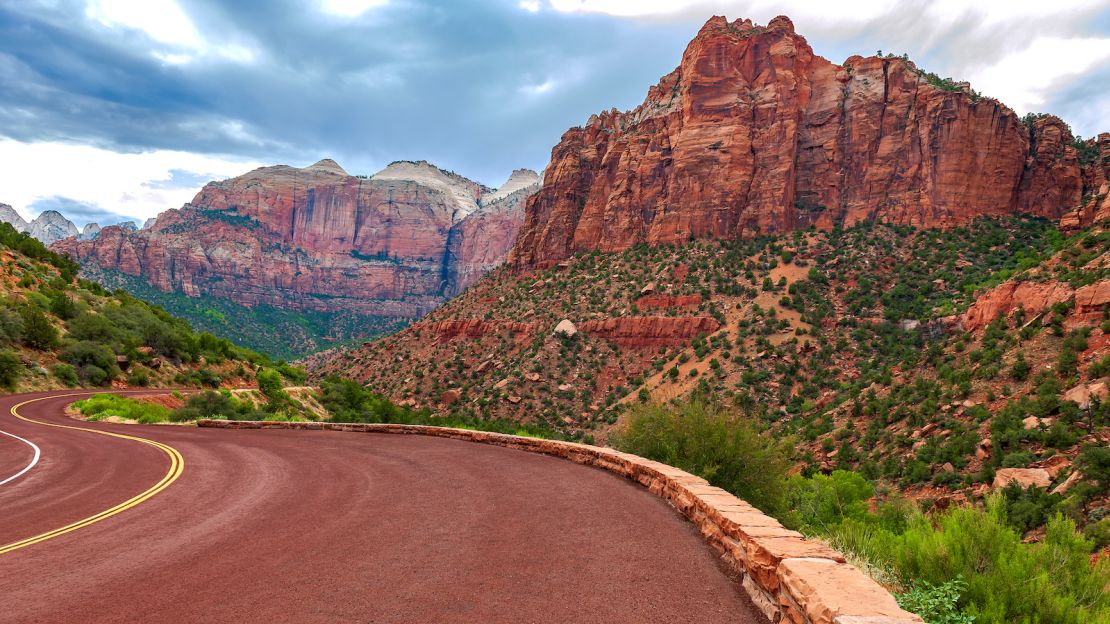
57, 331
754, 133
947, 362
329, 255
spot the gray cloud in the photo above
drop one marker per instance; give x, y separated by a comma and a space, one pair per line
480, 87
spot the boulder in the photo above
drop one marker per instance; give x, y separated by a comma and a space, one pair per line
1083, 393
566, 328
1025, 477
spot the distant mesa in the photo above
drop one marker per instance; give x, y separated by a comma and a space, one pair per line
316, 239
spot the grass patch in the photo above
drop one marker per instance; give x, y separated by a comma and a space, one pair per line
102, 406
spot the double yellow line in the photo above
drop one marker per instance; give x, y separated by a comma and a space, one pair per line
177, 466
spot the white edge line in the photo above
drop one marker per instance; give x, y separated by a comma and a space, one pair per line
29, 466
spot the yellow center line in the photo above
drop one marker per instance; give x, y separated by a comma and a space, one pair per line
177, 466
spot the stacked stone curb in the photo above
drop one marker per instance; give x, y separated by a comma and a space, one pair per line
791, 579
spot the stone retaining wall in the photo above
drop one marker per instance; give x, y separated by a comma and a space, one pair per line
791, 579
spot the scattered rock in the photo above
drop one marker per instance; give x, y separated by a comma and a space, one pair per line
514, 399
1033, 422
566, 328
450, 396
1025, 477
1073, 478
1083, 393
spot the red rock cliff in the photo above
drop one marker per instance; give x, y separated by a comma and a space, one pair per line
753, 132
319, 239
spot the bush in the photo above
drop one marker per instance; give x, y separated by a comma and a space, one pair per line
936, 604
11, 368
95, 363
722, 446
821, 502
1007, 581
213, 404
103, 406
66, 374
38, 331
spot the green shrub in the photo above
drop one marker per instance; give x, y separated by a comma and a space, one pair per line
138, 377
936, 604
722, 446
38, 331
66, 374
95, 363
213, 404
1007, 581
11, 368
821, 502
102, 406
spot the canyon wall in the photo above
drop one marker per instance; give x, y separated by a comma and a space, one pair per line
754, 133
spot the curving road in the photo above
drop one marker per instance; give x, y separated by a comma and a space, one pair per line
297, 526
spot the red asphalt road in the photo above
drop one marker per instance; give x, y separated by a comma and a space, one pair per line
306, 526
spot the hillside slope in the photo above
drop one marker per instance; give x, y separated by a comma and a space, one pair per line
56, 332
880, 347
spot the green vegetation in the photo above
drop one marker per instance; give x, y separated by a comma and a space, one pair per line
101, 406
277, 333
348, 401
954, 565
88, 336
719, 445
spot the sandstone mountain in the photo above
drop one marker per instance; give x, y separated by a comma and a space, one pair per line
318, 240
754, 133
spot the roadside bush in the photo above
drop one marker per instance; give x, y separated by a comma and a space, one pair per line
1007, 581
38, 332
348, 401
936, 604
95, 363
820, 502
721, 446
10, 369
66, 374
214, 404
101, 406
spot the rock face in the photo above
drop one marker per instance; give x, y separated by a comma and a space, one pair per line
90, 231
754, 133
50, 227
318, 239
651, 331
10, 216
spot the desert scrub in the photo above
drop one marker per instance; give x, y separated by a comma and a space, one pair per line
103, 406
1006, 581
722, 446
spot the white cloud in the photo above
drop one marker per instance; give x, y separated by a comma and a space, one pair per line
1025, 79
167, 24
532, 6
162, 20
539, 88
1022, 52
350, 8
139, 185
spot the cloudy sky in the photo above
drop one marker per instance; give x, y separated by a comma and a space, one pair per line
126, 107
